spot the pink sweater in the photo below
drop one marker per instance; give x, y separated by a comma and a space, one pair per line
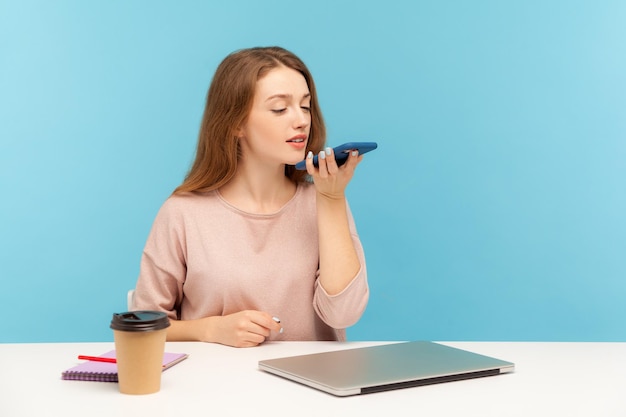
205, 257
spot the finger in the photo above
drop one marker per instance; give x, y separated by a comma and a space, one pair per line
267, 322
331, 162
247, 338
253, 339
353, 159
277, 320
259, 329
322, 164
310, 168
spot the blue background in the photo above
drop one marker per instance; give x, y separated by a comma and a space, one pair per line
494, 208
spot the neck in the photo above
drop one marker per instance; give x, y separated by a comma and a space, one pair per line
258, 189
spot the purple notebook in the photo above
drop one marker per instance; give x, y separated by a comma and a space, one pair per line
107, 372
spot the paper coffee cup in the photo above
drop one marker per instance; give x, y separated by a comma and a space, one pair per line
139, 347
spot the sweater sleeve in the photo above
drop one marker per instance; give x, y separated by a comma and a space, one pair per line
345, 308
163, 266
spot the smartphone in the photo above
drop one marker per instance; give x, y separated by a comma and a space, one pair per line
342, 152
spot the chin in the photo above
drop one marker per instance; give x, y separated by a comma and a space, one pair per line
294, 160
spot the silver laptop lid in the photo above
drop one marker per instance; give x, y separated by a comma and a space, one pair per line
384, 367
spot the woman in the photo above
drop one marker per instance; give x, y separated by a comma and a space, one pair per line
247, 238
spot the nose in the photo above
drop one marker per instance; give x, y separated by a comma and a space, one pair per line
302, 118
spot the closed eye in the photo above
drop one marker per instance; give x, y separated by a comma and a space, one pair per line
278, 111
306, 109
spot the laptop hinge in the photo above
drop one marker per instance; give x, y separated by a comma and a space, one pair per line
430, 381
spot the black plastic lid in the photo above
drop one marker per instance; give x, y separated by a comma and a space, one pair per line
140, 321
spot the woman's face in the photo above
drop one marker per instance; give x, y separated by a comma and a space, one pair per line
277, 128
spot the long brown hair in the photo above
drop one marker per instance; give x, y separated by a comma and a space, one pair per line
228, 104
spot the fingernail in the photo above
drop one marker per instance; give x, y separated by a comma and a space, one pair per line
277, 320
309, 155
323, 155
355, 153
329, 151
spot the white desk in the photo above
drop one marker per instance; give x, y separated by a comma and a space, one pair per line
551, 379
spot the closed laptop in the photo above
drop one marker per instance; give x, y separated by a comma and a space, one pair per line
384, 367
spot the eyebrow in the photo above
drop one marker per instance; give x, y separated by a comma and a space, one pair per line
286, 96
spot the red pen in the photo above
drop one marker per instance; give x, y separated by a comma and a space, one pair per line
97, 358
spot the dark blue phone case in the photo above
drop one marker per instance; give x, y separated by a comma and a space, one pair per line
342, 152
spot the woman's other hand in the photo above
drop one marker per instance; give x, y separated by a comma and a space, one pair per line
243, 329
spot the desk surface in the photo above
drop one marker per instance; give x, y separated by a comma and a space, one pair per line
551, 379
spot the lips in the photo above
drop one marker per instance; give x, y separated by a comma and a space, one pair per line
297, 139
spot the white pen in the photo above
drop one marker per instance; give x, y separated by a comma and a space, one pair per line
277, 320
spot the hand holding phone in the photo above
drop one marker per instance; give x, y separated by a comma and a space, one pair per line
342, 152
